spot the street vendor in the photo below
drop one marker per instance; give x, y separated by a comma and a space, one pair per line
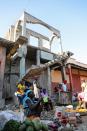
32, 108
46, 100
83, 95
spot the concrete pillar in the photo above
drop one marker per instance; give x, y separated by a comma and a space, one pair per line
63, 70
38, 51
38, 57
22, 67
49, 81
12, 33
24, 28
2, 68
40, 42
22, 51
28, 43
70, 79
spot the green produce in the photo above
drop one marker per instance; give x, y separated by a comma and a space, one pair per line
11, 125
28, 122
33, 125
22, 127
44, 127
37, 124
30, 128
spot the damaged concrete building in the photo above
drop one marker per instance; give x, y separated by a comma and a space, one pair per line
21, 54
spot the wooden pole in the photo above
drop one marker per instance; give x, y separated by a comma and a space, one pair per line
71, 80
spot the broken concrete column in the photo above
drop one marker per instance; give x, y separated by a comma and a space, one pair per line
22, 51
40, 42
63, 70
38, 57
2, 68
38, 51
49, 81
71, 80
24, 28
22, 67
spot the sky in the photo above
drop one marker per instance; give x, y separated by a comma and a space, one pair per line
68, 16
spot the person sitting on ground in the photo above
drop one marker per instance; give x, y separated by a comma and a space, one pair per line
32, 108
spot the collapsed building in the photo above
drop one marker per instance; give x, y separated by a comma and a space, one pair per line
23, 56
20, 54
21, 60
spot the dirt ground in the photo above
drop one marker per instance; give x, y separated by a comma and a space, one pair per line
83, 126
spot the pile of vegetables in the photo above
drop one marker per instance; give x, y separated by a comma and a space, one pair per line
27, 125
34, 125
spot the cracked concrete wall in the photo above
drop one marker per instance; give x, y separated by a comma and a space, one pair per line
11, 80
11, 77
